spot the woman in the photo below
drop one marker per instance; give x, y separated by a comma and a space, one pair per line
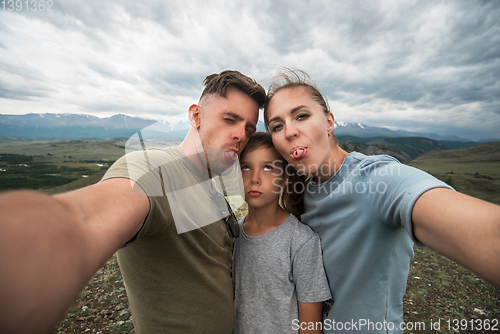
368, 211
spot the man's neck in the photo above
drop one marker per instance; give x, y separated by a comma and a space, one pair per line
193, 150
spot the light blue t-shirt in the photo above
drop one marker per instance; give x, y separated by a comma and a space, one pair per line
363, 217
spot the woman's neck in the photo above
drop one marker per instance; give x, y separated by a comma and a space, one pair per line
336, 156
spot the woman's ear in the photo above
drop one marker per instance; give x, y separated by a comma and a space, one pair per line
330, 123
195, 116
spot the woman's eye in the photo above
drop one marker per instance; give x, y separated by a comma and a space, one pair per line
276, 127
302, 116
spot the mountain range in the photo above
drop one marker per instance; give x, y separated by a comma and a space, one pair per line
365, 131
353, 136
74, 126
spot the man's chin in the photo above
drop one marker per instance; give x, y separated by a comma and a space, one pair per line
222, 169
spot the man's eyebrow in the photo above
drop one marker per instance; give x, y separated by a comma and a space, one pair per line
292, 111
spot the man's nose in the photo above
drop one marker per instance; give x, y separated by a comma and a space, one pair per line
239, 133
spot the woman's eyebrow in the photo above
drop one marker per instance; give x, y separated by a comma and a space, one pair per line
297, 109
292, 111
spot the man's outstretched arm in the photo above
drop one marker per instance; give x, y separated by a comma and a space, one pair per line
462, 228
51, 246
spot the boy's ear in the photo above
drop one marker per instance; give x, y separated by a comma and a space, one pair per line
195, 116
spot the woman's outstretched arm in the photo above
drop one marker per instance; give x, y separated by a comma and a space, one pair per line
463, 228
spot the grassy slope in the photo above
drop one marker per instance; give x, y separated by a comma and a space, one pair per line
474, 170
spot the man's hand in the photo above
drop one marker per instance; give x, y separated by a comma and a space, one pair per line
51, 246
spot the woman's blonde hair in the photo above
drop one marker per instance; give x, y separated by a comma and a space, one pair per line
289, 78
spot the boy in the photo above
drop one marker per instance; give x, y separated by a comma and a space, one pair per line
280, 282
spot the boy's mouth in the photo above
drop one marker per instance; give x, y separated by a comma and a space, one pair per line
254, 193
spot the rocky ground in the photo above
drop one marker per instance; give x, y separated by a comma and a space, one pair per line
438, 290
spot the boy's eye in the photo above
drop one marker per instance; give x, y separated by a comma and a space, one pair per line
244, 168
268, 167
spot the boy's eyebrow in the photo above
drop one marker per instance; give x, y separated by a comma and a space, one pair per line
295, 109
239, 118
265, 162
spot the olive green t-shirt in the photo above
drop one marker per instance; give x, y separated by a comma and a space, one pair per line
176, 283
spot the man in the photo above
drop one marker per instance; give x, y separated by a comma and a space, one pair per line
177, 280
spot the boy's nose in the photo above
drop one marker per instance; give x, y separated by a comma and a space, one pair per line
255, 178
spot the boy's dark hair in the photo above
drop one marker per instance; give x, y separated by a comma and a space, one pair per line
218, 84
257, 140
292, 197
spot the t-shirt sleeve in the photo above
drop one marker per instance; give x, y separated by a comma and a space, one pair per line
309, 273
137, 167
392, 188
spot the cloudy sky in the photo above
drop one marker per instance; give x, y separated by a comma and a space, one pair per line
429, 66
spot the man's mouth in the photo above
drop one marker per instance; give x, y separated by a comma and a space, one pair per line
298, 152
230, 155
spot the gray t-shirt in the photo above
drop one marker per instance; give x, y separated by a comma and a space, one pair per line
272, 272
363, 217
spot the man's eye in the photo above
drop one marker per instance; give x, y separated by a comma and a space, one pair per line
229, 120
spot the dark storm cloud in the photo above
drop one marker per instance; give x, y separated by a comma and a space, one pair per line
405, 64
455, 62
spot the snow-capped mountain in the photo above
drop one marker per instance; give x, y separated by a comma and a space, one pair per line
73, 126
365, 131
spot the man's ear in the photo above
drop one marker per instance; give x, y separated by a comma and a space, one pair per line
195, 116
